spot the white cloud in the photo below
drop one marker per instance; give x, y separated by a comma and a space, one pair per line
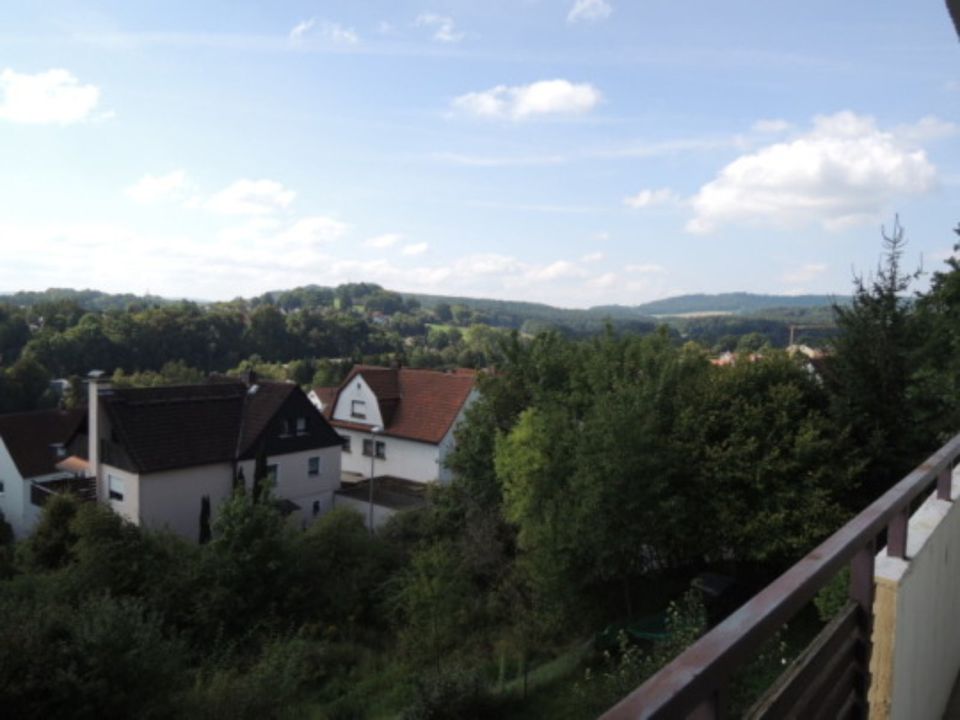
496, 161
152, 189
649, 198
415, 249
605, 281
646, 269
250, 197
555, 271
768, 126
589, 10
332, 32
804, 273
384, 241
444, 27
545, 97
54, 97
843, 171
310, 231
302, 28
926, 129
593, 257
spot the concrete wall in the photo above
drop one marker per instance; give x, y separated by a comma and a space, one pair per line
404, 458
916, 653
358, 390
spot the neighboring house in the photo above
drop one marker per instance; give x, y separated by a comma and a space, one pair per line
32, 463
397, 425
161, 450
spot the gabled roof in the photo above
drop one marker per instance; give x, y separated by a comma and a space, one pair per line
415, 404
186, 425
29, 437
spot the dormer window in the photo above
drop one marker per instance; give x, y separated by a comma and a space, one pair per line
301, 426
358, 409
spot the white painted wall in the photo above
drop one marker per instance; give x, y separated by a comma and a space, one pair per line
12, 497
358, 390
926, 636
129, 507
296, 484
404, 458
171, 499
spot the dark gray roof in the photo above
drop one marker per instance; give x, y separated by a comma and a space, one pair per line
30, 436
185, 425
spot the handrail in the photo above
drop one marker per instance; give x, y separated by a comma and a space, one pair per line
694, 681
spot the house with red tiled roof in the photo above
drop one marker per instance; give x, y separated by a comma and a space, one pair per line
31, 463
397, 426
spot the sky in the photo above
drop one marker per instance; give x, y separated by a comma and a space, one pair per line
572, 152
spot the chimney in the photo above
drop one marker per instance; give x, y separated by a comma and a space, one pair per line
95, 384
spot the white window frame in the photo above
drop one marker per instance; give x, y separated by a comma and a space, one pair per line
379, 449
358, 409
116, 490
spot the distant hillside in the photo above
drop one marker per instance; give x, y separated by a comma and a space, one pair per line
739, 303
87, 299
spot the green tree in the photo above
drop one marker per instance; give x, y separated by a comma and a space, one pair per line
872, 374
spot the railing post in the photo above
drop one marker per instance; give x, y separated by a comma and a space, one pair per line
945, 483
709, 709
897, 535
861, 578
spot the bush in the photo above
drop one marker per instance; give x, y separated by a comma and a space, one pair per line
453, 695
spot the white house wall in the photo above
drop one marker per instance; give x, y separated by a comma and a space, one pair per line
404, 458
11, 499
358, 390
295, 483
171, 499
129, 507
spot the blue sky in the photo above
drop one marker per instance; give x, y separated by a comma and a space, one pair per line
575, 152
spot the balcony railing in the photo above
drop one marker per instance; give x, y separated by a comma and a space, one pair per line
84, 488
831, 678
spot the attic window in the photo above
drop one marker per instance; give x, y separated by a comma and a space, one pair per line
285, 428
301, 426
358, 409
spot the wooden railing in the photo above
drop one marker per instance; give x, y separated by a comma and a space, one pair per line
831, 678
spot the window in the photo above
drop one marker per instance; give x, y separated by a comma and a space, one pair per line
345, 442
301, 426
381, 449
313, 466
1, 487
285, 428
115, 488
358, 409
272, 475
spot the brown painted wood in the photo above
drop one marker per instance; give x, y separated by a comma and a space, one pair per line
806, 672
